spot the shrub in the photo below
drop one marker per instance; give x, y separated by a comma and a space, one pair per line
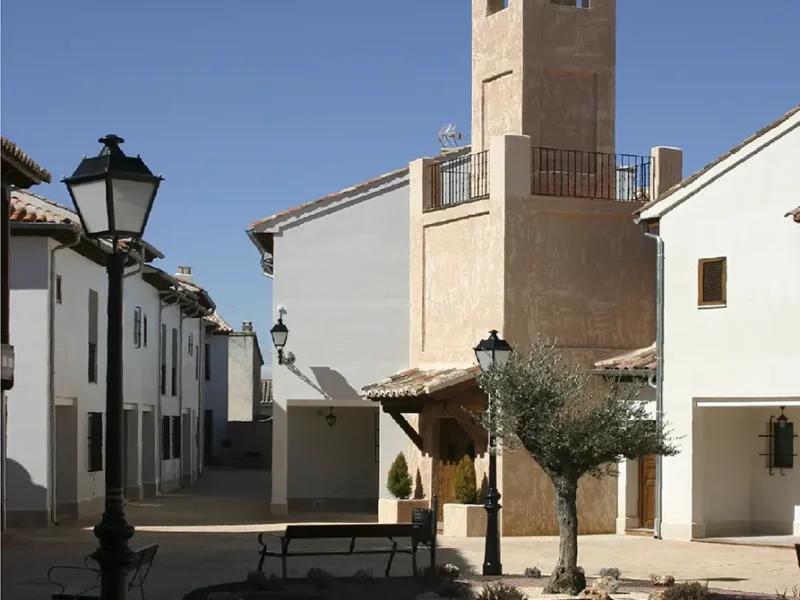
533, 572
611, 572
466, 486
688, 590
501, 591
399, 481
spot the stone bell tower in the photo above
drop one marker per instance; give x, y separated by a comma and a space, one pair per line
547, 69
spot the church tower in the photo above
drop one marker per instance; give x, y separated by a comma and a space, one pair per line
546, 69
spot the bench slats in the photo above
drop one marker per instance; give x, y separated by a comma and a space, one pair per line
350, 530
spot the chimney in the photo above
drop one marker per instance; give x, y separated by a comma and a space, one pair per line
184, 274
247, 326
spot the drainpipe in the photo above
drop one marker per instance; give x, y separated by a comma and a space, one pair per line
658, 385
51, 376
138, 269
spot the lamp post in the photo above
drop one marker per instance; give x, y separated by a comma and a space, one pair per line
490, 353
113, 195
279, 333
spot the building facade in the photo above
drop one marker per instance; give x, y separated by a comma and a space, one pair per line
340, 271
18, 171
729, 345
58, 292
233, 390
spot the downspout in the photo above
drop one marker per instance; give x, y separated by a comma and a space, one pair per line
51, 376
658, 385
138, 269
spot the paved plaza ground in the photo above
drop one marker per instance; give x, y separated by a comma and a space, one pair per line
207, 535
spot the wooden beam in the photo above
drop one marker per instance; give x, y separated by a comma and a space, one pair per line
474, 431
412, 434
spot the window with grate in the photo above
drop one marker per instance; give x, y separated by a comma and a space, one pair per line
190, 345
137, 327
95, 442
207, 362
59, 296
176, 437
144, 330
93, 336
174, 371
163, 359
166, 435
711, 281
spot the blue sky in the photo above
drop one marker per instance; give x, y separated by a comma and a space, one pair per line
250, 107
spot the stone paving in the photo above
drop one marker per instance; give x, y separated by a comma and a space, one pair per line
206, 536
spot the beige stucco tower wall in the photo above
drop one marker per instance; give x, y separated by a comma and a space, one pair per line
545, 69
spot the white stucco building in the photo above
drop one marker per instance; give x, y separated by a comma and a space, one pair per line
729, 344
340, 270
233, 388
56, 417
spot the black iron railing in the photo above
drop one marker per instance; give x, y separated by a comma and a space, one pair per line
459, 179
579, 174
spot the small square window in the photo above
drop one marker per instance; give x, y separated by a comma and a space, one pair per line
712, 279
59, 297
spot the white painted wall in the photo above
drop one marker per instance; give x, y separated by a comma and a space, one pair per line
29, 474
217, 389
343, 276
747, 349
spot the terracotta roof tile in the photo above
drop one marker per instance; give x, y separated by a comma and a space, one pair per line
712, 164
26, 212
795, 214
643, 359
219, 322
416, 382
13, 152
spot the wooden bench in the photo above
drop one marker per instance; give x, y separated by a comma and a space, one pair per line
420, 533
137, 574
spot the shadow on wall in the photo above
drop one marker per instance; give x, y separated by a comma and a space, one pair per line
334, 384
21, 495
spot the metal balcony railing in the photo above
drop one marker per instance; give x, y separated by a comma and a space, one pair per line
459, 179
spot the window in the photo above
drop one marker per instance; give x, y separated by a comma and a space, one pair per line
137, 327
163, 359
59, 297
711, 281
95, 442
174, 372
190, 345
197, 362
166, 434
176, 437
207, 362
144, 330
92, 351
493, 6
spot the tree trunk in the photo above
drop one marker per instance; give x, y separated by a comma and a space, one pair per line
566, 578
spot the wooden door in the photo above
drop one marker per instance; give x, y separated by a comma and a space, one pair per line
454, 444
647, 491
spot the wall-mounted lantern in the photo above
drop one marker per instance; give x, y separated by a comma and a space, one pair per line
781, 436
280, 333
330, 418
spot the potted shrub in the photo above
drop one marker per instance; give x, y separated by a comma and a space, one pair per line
398, 509
465, 518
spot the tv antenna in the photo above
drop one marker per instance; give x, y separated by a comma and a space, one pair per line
448, 138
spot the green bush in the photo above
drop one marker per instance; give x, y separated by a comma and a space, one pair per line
689, 590
466, 486
399, 481
502, 591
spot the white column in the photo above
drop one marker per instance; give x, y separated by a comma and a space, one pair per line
280, 457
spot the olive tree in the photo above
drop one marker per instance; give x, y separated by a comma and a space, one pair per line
539, 405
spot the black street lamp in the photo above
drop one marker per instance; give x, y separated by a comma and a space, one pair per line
113, 195
279, 333
492, 352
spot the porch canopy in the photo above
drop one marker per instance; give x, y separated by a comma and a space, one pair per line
436, 393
